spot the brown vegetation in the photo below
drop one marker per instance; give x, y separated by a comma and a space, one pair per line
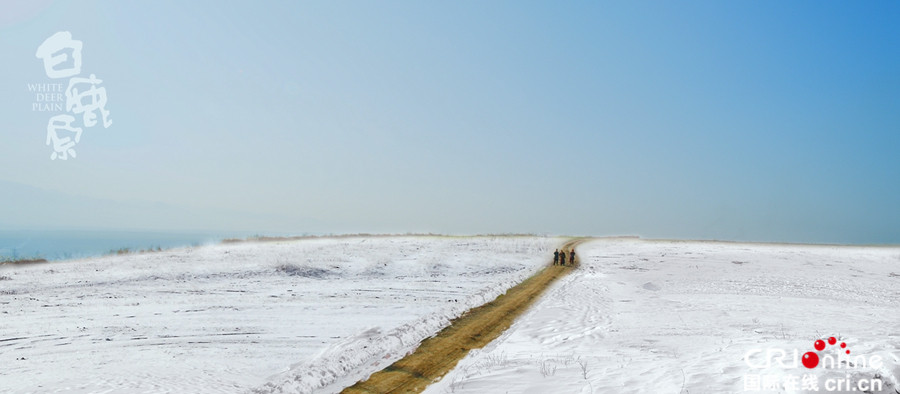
24, 261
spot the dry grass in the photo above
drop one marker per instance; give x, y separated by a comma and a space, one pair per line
476, 328
35, 260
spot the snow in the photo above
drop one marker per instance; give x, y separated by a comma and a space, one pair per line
317, 315
298, 316
680, 317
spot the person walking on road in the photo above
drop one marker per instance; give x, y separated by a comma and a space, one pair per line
556, 257
572, 257
562, 257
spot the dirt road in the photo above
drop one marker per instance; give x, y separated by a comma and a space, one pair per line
473, 330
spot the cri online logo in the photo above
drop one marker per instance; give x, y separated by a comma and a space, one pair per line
839, 357
811, 359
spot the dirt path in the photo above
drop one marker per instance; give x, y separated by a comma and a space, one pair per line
473, 330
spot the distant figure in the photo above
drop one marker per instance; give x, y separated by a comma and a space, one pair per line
562, 257
556, 257
572, 257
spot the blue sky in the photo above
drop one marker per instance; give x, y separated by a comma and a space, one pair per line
770, 121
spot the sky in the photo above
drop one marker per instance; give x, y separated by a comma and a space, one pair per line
760, 121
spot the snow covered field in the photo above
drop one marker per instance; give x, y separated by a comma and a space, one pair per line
316, 315
265, 317
680, 317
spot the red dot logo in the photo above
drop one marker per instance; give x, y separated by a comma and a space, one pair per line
810, 360
819, 345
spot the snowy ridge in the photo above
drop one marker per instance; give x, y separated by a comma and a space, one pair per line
225, 318
357, 357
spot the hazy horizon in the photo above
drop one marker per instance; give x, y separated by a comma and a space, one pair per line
760, 121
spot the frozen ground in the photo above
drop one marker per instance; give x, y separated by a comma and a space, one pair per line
267, 317
680, 317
